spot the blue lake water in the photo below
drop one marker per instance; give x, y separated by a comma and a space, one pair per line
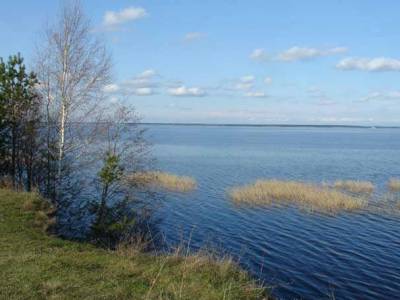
299, 254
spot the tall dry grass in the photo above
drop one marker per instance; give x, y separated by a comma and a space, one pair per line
44, 211
394, 184
310, 196
355, 186
164, 180
186, 264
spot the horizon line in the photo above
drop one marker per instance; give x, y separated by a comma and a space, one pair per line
267, 125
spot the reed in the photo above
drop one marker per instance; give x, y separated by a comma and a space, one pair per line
394, 184
355, 186
164, 180
313, 197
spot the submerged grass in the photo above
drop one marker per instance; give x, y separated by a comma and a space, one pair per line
394, 185
310, 196
164, 180
355, 186
35, 265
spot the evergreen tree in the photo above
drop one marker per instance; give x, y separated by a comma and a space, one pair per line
19, 111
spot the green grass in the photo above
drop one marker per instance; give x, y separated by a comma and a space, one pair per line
35, 265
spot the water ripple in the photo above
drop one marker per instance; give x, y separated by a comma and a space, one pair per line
299, 254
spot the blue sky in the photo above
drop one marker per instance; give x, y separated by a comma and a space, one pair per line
231, 61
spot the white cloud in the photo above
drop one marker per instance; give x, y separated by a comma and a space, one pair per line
147, 74
303, 53
256, 94
146, 91
144, 79
114, 18
268, 80
245, 82
258, 54
243, 85
369, 64
247, 79
182, 91
140, 83
111, 88
192, 36
391, 95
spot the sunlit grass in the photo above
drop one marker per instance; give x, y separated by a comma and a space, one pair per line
355, 186
164, 180
310, 196
35, 265
394, 184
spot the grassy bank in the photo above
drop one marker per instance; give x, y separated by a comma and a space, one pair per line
35, 265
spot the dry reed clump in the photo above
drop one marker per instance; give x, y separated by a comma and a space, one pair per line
181, 268
164, 180
187, 263
355, 186
308, 195
43, 211
394, 184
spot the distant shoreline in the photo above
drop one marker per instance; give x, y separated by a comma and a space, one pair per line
268, 125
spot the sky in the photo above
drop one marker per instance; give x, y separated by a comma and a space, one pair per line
230, 61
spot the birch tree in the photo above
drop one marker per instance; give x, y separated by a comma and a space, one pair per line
73, 66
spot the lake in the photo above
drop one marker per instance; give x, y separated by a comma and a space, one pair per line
297, 253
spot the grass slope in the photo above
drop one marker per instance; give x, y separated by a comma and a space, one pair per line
35, 265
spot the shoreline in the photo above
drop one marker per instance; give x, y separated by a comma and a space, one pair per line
38, 265
270, 125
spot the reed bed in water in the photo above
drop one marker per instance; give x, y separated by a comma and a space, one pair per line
314, 197
394, 184
164, 180
355, 186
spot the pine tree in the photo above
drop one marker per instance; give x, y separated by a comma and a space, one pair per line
19, 105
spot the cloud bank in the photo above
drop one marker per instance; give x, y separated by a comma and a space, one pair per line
369, 64
183, 91
304, 53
